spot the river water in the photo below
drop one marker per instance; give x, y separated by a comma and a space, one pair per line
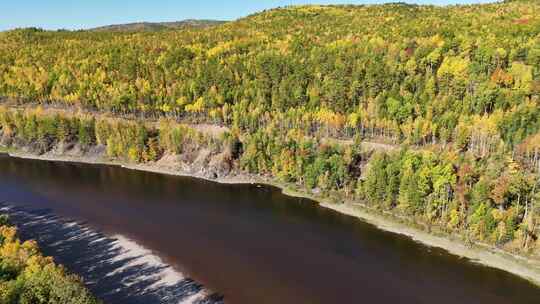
247, 243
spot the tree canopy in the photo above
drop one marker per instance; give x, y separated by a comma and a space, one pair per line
300, 88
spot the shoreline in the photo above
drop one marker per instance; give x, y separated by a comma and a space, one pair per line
482, 254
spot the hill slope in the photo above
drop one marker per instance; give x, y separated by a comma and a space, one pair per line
157, 26
461, 83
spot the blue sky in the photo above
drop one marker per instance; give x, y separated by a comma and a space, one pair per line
77, 14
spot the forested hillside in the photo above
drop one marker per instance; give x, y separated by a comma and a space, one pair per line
158, 26
301, 88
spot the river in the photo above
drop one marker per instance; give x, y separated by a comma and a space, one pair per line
240, 243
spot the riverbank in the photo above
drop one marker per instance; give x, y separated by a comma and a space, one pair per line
488, 256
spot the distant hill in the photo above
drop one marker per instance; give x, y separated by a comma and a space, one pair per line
157, 26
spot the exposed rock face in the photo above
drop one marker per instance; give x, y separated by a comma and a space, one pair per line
63, 148
171, 161
208, 164
201, 161
221, 165
204, 162
5, 141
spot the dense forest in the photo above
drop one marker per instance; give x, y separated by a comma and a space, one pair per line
28, 277
452, 92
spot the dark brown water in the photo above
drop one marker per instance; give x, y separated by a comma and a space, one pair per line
253, 244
